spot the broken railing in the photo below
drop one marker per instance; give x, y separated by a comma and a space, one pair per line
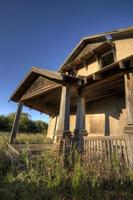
102, 148
106, 148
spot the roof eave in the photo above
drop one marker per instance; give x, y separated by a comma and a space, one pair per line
98, 36
32, 75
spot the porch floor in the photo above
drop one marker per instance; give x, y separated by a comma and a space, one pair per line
32, 148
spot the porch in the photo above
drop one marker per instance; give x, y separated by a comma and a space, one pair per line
73, 94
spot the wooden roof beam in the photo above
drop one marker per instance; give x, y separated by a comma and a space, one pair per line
97, 76
91, 53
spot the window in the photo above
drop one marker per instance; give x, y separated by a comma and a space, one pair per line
107, 58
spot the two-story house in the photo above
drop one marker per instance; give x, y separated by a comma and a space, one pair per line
92, 92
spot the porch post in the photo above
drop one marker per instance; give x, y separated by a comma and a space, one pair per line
16, 123
80, 129
64, 114
129, 106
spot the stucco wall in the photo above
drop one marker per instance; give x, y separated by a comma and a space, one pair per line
89, 69
53, 125
124, 48
106, 116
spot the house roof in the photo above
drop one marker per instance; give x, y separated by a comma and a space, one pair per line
86, 53
30, 78
87, 44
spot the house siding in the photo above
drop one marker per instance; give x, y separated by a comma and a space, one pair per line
124, 48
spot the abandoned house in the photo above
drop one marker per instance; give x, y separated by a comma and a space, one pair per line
90, 95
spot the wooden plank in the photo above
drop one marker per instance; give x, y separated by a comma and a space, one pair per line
104, 137
40, 91
103, 83
12, 149
106, 147
47, 73
16, 123
97, 76
18, 148
122, 65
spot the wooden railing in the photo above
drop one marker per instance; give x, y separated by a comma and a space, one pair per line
106, 148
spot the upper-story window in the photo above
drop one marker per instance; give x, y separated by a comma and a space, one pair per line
107, 58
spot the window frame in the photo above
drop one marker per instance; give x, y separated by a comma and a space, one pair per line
104, 55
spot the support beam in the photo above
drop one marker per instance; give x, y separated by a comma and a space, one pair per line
131, 63
16, 123
80, 117
97, 76
64, 114
122, 65
82, 128
129, 105
129, 97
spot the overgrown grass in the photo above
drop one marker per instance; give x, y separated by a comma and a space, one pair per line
38, 138
23, 138
44, 177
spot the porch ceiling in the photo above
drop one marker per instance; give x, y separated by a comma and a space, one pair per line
49, 102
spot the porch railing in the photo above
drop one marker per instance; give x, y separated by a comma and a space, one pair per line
106, 148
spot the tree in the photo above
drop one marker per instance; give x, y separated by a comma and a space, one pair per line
4, 123
26, 124
41, 126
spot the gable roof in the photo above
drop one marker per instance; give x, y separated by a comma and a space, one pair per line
30, 78
93, 41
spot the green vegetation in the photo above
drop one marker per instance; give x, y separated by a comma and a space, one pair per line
44, 177
26, 124
23, 138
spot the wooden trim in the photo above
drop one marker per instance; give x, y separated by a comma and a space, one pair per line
104, 137
78, 61
93, 38
30, 78
111, 66
39, 92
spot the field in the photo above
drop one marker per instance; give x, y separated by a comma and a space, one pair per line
45, 177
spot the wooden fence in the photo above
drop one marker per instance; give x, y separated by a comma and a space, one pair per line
106, 148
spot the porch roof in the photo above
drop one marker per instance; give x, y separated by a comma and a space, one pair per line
31, 77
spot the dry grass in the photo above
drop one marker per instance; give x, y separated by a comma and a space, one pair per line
43, 177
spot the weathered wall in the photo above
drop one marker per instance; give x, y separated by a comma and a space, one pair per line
89, 69
124, 48
106, 116
53, 125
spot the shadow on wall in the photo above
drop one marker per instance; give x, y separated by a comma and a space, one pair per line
106, 113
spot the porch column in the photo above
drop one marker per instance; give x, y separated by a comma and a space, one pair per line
64, 114
80, 129
16, 123
129, 105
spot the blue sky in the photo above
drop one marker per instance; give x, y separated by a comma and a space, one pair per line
43, 32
